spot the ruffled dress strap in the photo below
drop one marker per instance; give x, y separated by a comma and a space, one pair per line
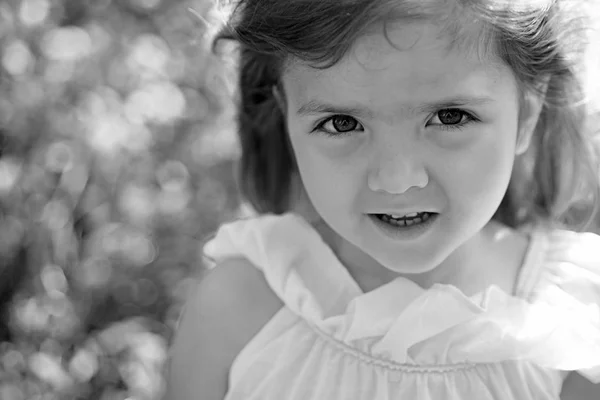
300, 268
555, 324
563, 271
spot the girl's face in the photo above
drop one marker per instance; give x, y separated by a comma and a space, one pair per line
398, 130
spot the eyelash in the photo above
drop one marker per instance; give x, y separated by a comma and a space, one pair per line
469, 118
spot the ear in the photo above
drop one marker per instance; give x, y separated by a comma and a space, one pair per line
532, 102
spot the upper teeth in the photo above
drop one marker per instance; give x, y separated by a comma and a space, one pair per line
411, 215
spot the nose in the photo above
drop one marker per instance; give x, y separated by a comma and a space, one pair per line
398, 170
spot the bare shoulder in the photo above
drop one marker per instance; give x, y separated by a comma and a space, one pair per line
225, 310
235, 295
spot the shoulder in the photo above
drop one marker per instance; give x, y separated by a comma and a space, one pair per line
237, 292
226, 308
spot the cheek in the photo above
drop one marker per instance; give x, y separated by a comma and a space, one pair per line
329, 182
480, 175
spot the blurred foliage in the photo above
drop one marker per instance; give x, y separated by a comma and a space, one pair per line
116, 163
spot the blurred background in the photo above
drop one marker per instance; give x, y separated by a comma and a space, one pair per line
117, 150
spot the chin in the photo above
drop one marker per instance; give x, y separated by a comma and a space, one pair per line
419, 257
413, 265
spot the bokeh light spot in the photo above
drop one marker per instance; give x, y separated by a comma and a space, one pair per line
53, 279
159, 102
172, 175
138, 248
34, 12
146, 4
95, 272
150, 53
109, 132
10, 170
58, 304
56, 214
137, 203
13, 360
100, 36
17, 58
49, 369
84, 365
59, 157
31, 315
66, 44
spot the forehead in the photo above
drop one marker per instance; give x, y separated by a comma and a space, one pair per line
405, 60
470, 40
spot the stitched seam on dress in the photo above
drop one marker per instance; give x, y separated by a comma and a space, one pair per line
368, 359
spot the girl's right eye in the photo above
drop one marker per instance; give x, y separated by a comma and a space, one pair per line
339, 125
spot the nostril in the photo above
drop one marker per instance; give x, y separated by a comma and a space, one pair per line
397, 183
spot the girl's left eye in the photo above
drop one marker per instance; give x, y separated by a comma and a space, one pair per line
339, 125
451, 118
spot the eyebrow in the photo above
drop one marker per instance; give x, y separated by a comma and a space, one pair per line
314, 107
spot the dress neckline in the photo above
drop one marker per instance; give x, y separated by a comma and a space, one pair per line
406, 324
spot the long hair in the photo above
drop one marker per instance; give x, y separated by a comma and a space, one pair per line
543, 43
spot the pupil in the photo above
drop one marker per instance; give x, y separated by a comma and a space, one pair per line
450, 117
343, 123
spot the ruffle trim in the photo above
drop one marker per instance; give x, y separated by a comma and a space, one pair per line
406, 324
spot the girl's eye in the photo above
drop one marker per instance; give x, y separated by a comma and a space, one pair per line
339, 125
451, 118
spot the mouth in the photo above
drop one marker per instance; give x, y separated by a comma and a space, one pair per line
408, 220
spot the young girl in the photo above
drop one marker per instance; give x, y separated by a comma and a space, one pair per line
417, 166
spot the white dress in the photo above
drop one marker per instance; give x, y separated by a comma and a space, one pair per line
332, 341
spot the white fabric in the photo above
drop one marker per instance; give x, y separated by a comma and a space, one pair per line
399, 341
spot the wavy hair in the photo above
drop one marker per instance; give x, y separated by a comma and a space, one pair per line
542, 41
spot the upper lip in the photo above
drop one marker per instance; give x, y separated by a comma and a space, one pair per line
405, 211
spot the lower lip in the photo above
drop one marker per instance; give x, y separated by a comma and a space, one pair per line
411, 232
